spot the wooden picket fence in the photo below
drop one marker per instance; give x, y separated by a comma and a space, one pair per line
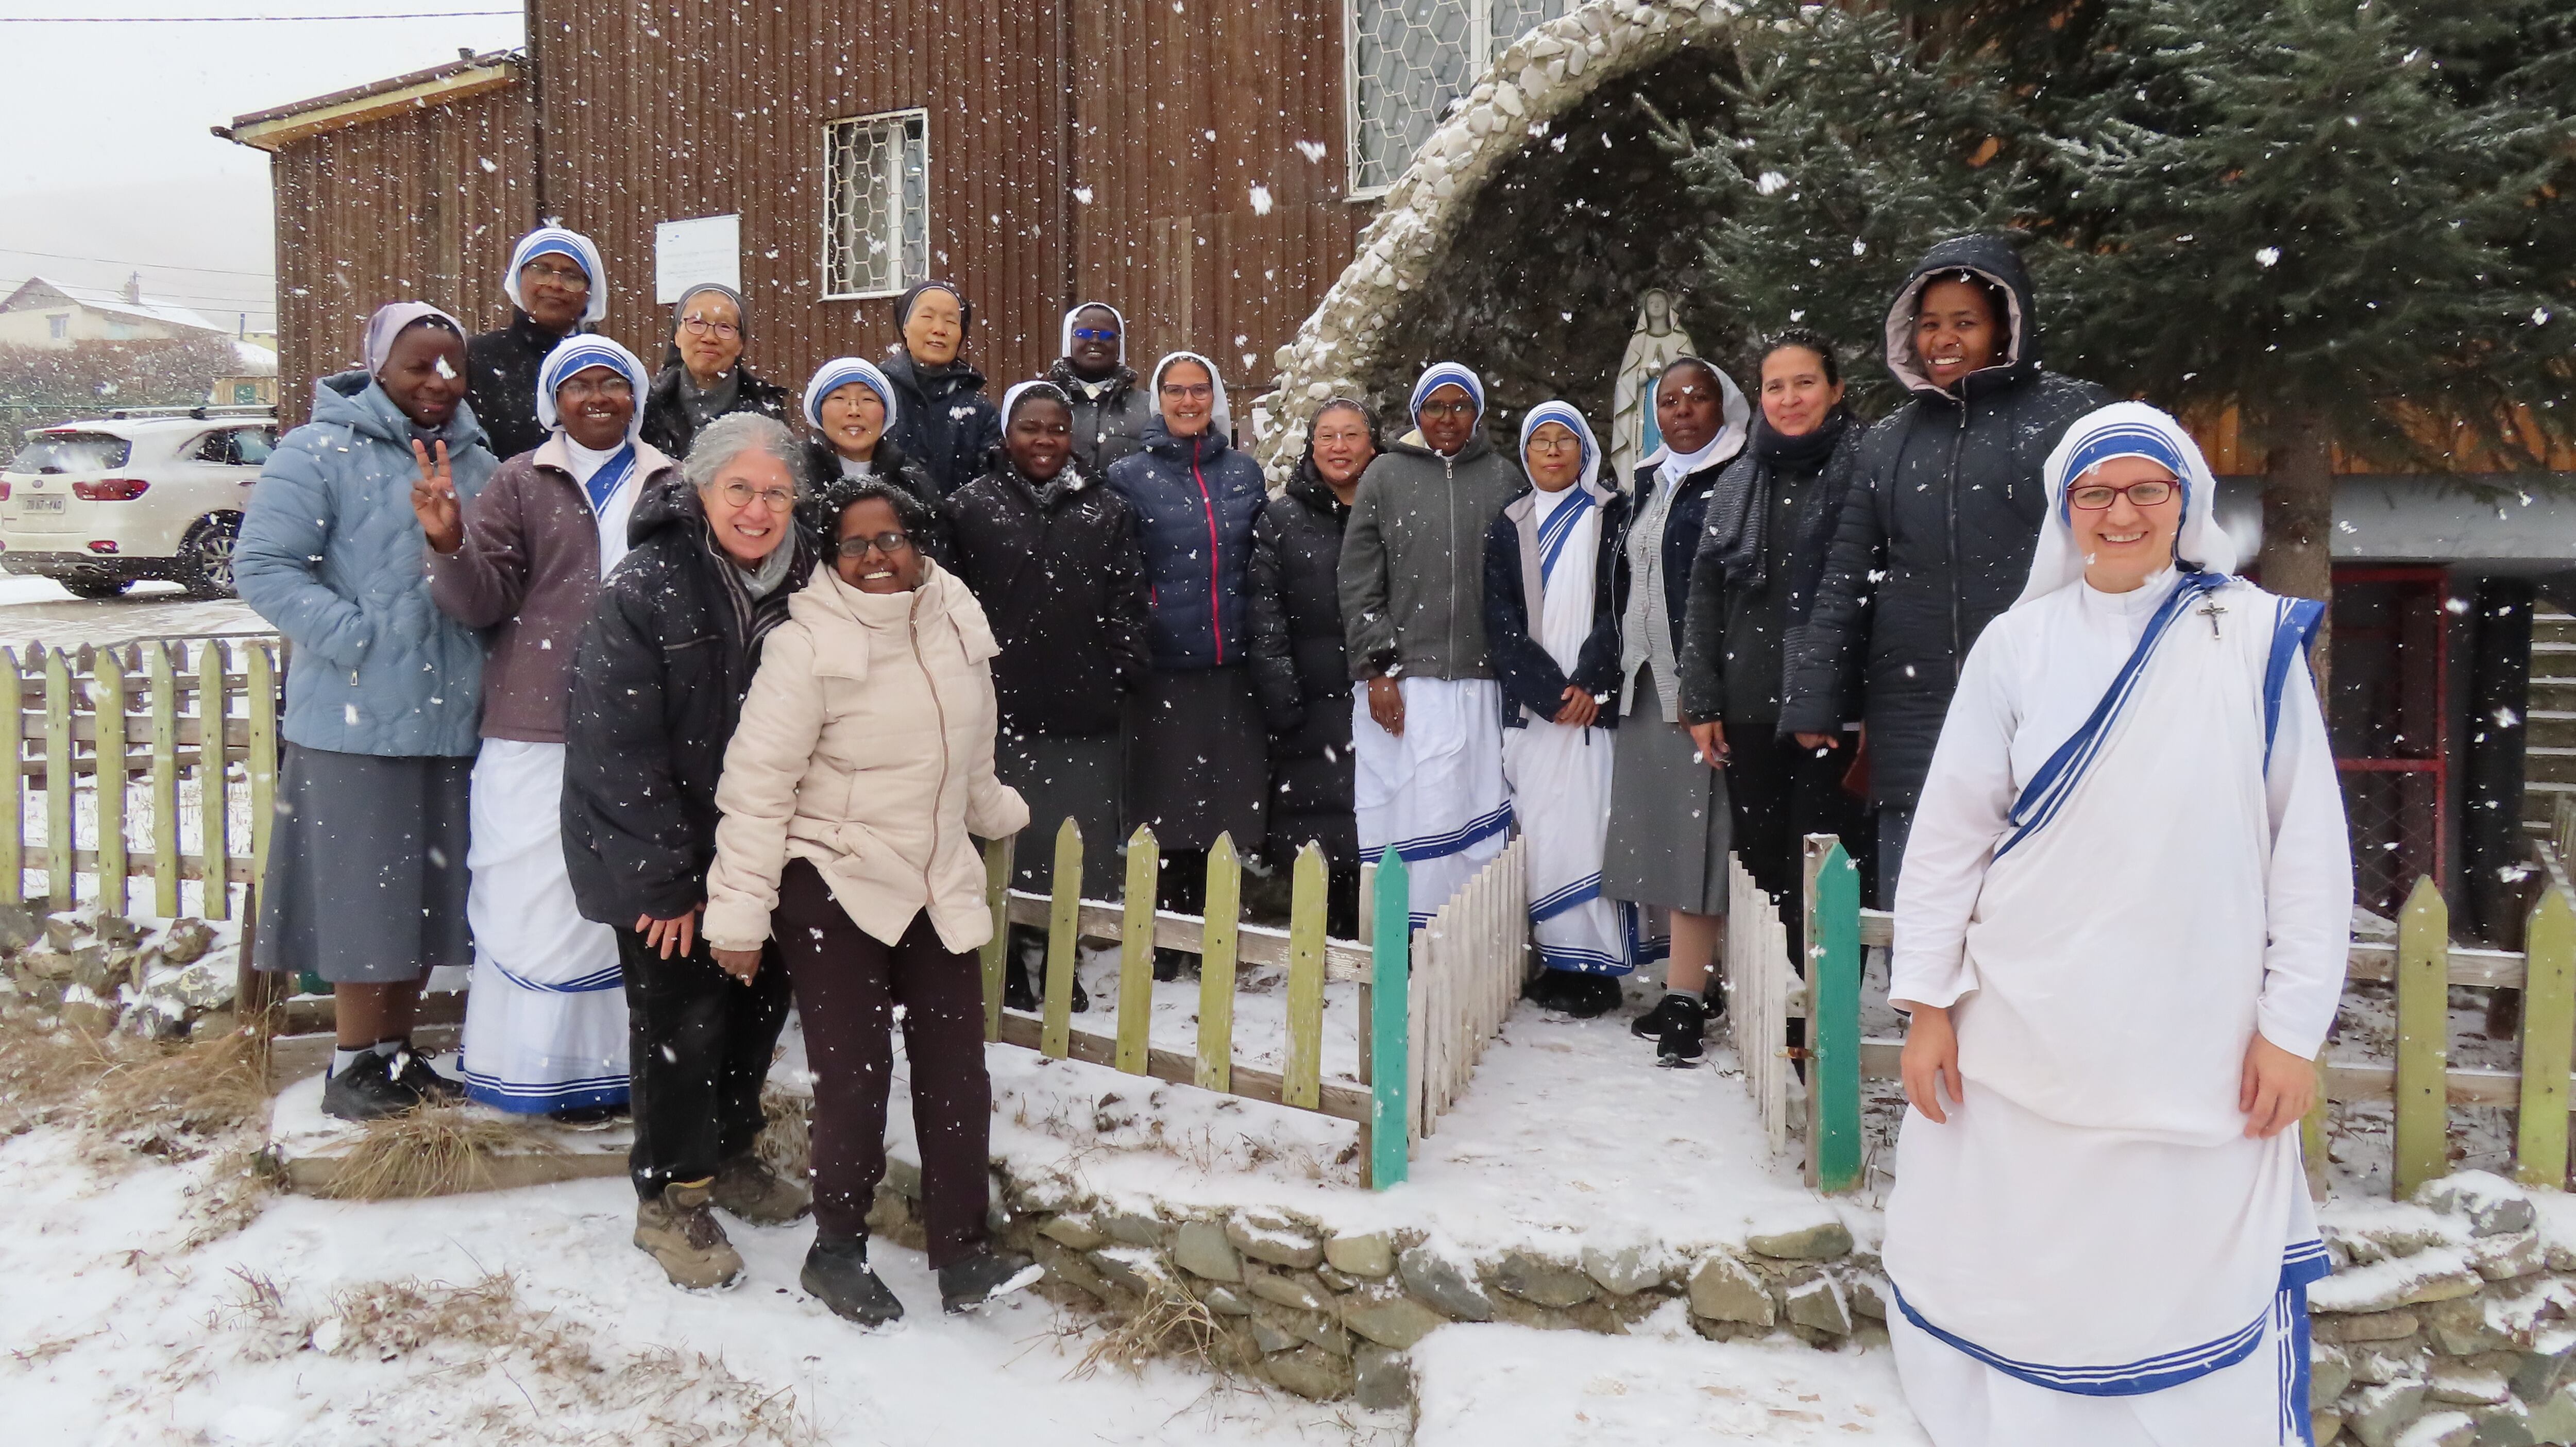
2422, 964
139, 714
1428, 999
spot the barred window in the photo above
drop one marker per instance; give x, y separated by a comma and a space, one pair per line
1409, 59
876, 204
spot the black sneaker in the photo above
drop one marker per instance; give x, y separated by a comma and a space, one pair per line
367, 1090
415, 1074
1654, 1022
1168, 963
1679, 1045
1546, 989
1588, 997
988, 1275
587, 1117
1017, 992
836, 1274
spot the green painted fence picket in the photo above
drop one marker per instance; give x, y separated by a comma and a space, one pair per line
1389, 1144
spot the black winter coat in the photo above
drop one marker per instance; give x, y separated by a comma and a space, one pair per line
1528, 673
1741, 520
944, 422
1936, 537
820, 513
657, 686
1062, 580
666, 417
1299, 668
501, 384
1107, 429
1195, 501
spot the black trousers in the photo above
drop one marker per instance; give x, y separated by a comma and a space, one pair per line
847, 985
698, 1048
1780, 793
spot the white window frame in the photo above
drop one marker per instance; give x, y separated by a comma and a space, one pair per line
915, 115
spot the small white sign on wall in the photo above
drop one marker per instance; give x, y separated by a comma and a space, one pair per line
702, 249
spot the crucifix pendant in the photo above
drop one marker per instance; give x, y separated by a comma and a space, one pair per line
2210, 610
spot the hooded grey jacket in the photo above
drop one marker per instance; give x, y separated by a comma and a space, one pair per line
330, 552
1413, 559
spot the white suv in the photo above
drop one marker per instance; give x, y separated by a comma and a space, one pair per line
97, 506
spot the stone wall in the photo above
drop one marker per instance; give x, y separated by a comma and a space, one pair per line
103, 971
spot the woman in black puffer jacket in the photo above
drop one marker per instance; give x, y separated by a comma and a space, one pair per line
1936, 537
1197, 761
1300, 663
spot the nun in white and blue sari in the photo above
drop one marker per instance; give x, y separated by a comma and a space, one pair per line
1554, 639
545, 1017
2121, 934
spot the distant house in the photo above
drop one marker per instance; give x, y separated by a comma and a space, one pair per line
45, 313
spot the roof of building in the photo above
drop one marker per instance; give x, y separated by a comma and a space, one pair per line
31, 296
468, 74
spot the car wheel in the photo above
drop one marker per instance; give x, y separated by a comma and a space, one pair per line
206, 555
94, 586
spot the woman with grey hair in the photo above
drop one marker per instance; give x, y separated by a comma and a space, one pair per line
658, 683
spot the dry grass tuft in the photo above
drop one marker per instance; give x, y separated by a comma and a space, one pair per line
1172, 1324
203, 1089
432, 1151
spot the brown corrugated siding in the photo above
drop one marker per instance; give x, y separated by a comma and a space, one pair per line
422, 204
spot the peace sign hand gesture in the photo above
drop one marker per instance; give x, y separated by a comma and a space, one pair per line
433, 499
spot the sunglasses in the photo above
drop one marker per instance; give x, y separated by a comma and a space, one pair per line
1094, 334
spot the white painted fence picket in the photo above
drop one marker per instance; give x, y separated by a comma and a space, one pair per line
1468, 965
1763, 992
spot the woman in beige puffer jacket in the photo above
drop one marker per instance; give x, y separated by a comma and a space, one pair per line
852, 792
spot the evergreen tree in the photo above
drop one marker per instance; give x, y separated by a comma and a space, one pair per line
1849, 150
2333, 215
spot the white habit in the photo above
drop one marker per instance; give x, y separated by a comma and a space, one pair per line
2125, 862
1436, 792
545, 1015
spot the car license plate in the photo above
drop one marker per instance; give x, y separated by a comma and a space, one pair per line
40, 504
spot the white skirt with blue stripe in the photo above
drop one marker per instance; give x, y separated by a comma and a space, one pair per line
1435, 792
545, 1016
1560, 782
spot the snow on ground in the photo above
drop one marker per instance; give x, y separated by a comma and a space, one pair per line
40, 611
1516, 1386
521, 1316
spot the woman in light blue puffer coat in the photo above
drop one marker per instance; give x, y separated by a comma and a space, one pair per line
366, 876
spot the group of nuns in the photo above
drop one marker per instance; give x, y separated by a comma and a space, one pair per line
530, 587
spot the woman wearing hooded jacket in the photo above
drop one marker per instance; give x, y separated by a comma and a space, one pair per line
545, 1030
703, 376
1937, 533
1197, 757
945, 422
854, 789
657, 684
1770, 521
1670, 826
366, 874
1052, 557
1300, 662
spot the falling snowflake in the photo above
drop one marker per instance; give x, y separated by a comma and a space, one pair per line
2268, 256
1260, 199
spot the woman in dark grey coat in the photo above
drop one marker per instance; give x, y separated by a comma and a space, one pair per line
703, 376
1936, 537
1300, 665
944, 422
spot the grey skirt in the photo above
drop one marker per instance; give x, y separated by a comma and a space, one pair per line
366, 867
1064, 778
1198, 758
1669, 824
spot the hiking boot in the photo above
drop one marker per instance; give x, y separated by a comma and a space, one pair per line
367, 1090
415, 1074
757, 1194
681, 1233
836, 1274
1679, 1045
988, 1275
1652, 1024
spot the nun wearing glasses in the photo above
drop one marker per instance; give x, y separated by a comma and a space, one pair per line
2120, 936
556, 289
521, 562
703, 375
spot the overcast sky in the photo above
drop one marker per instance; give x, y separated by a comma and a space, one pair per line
110, 168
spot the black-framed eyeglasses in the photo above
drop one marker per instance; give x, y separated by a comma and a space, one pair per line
1201, 392
1448, 409
1094, 334
570, 278
616, 389
698, 326
2094, 497
888, 544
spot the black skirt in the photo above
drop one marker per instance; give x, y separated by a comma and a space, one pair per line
1198, 759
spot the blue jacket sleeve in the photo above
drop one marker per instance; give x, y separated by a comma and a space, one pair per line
277, 560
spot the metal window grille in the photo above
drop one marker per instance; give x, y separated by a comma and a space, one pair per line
876, 204
1409, 59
